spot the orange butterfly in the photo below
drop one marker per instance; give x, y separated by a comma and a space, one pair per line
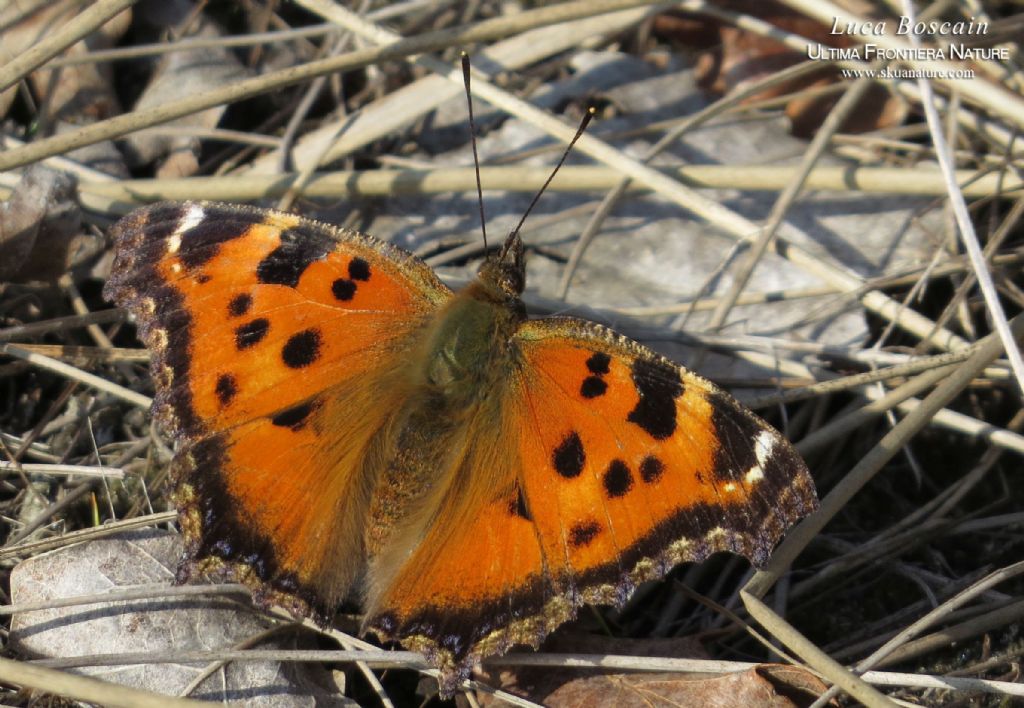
350, 427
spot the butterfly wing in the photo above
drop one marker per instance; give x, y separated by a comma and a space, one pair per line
620, 465
278, 345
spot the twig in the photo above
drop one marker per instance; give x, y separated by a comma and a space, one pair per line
988, 349
83, 24
430, 41
59, 367
82, 688
67, 470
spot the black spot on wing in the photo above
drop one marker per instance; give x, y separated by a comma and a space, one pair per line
659, 386
343, 289
651, 469
294, 417
593, 387
568, 457
301, 349
617, 479
251, 333
299, 248
598, 363
594, 384
226, 388
359, 269
583, 533
203, 241
239, 305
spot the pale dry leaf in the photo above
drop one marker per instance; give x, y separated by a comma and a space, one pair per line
148, 558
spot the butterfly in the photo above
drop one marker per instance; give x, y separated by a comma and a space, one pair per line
348, 427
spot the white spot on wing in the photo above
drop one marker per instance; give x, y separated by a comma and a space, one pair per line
764, 443
189, 219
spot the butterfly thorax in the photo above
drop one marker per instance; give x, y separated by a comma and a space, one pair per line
468, 342
457, 383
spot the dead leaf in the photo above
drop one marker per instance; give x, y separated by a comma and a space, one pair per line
148, 558
778, 685
180, 75
537, 682
75, 93
744, 688
740, 57
39, 226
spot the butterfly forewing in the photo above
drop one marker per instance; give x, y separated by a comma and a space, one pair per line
641, 460
276, 341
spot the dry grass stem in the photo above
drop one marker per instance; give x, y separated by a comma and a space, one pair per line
64, 470
81, 688
818, 660
82, 25
482, 31
113, 528
97, 382
124, 195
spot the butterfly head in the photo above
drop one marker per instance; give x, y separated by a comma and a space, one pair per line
506, 273
504, 277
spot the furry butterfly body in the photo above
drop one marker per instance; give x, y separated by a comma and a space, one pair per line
349, 427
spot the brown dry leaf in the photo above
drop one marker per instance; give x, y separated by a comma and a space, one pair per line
39, 226
765, 685
76, 93
733, 58
537, 682
21, 30
177, 76
71, 96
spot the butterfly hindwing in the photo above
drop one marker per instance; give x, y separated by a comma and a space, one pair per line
276, 342
618, 465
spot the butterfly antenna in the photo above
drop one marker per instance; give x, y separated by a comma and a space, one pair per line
472, 139
579, 132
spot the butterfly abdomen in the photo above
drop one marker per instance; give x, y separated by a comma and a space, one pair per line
457, 381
